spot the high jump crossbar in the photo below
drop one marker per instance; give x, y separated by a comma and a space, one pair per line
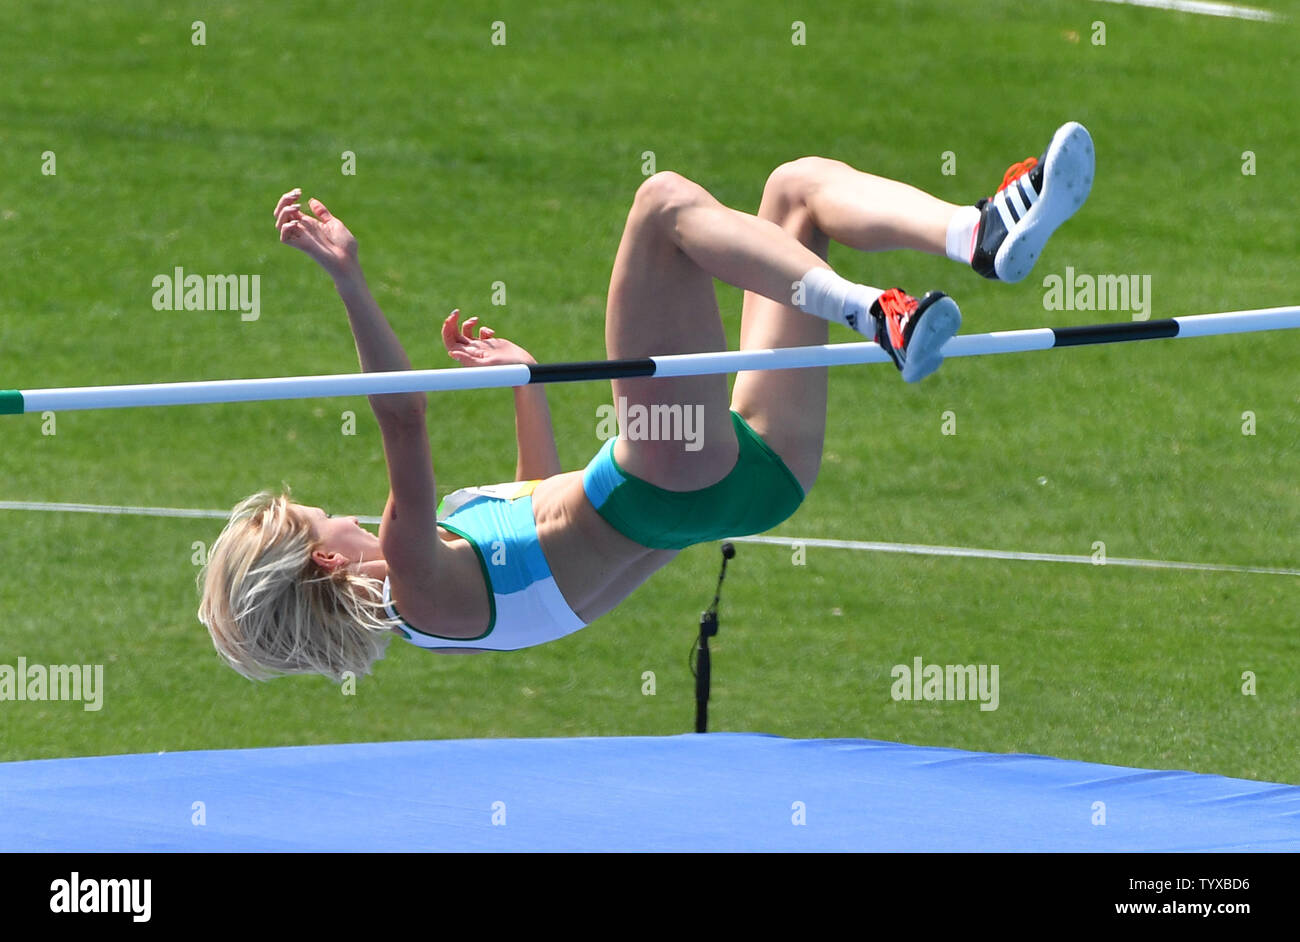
17, 401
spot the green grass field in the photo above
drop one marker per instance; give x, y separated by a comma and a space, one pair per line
478, 163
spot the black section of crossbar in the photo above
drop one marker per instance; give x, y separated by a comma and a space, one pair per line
1115, 333
590, 370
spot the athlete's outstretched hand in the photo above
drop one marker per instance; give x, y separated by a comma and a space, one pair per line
485, 349
322, 237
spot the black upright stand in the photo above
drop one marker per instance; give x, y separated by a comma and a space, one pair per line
703, 668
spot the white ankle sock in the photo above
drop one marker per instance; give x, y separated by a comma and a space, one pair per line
832, 298
961, 234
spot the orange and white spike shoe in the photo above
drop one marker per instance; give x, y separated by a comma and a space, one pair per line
913, 332
1037, 195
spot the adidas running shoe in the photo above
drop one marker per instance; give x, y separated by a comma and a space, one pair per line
913, 332
1036, 196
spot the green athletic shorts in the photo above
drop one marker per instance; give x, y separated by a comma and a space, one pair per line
759, 493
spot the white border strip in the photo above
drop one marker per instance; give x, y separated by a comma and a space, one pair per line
913, 549
1205, 9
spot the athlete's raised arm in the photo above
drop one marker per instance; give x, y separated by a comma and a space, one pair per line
408, 532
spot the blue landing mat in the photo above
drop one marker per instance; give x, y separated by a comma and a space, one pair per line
720, 791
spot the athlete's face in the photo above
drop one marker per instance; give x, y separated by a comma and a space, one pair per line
341, 536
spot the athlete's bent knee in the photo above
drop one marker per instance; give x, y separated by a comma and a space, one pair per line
794, 180
665, 193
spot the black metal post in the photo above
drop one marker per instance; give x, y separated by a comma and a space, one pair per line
703, 661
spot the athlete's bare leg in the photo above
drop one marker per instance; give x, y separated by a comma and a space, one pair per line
678, 238
816, 200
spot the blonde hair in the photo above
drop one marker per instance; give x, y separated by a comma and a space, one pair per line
272, 610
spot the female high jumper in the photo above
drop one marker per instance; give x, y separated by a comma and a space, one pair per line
289, 588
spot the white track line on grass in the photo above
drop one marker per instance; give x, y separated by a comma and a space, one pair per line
114, 510
107, 509
1205, 9
913, 549
922, 549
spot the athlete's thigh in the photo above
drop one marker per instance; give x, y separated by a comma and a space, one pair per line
786, 407
678, 434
